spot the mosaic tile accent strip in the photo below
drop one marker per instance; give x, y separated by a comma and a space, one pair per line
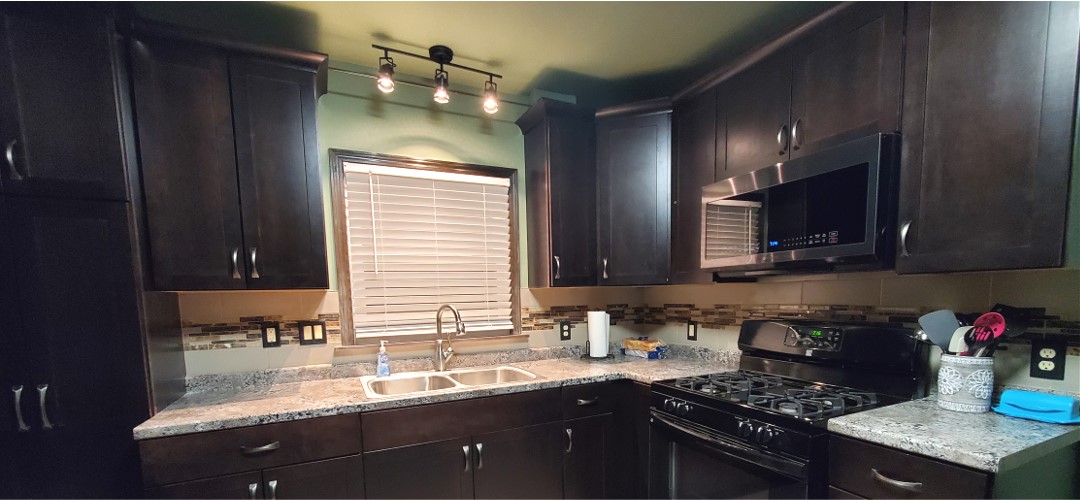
247, 332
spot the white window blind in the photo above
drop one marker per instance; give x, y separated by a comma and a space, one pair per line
419, 239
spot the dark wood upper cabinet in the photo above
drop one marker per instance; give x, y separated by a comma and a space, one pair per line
634, 198
989, 110
519, 463
846, 79
446, 468
60, 128
696, 137
229, 167
188, 164
273, 109
560, 172
754, 107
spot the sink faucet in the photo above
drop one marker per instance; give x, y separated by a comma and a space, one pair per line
444, 355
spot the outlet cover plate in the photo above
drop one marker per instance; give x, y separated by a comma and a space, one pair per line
271, 334
564, 330
1040, 350
691, 330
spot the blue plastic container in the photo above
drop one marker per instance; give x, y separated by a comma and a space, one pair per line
1053, 408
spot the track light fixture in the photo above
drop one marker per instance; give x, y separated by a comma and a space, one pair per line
491, 97
442, 55
386, 73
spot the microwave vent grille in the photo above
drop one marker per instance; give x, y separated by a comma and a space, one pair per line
731, 229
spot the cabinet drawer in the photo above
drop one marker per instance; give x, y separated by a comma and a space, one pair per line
589, 399
852, 466
196, 456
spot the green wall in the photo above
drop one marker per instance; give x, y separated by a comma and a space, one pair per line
354, 115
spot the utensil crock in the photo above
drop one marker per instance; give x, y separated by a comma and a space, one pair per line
965, 383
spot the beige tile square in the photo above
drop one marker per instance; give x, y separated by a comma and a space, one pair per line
200, 307
213, 361
1058, 290
315, 303
855, 292
299, 355
963, 293
287, 304
726, 293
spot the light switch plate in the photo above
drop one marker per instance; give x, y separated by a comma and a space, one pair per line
311, 332
1048, 358
691, 330
564, 330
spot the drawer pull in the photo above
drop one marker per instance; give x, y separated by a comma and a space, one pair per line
258, 450
896, 483
588, 402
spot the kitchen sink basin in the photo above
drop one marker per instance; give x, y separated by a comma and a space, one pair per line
490, 375
418, 383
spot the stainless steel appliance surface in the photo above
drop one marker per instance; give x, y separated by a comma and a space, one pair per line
829, 210
759, 432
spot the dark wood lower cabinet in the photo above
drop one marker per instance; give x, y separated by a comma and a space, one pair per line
519, 463
335, 478
440, 469
588, 459
246, 485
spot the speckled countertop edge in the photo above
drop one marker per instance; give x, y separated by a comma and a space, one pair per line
989, 442
282, 402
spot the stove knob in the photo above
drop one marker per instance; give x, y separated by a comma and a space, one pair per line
745, 429
682, 409
764, 434
669, 405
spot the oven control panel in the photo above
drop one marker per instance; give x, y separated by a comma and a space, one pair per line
814, 337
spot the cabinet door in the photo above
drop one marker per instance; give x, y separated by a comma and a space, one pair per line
239, 486
755, 104
335, 478
989, 109
573, 201
60, 128
440, 469
188, 166
634, 193
273, 108
696, 136
68, 272
589, 465
846, 78
520, 463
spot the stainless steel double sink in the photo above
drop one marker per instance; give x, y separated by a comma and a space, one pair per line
423, 382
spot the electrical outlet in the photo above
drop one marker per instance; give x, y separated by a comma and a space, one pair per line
1048, 358
564, 330
691, 330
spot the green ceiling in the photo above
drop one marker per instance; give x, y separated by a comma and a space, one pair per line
602, 51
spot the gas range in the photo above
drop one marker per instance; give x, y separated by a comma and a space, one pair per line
766, 422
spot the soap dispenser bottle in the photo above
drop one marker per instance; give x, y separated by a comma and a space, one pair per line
383, 367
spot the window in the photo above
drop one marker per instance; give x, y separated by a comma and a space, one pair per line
413, 235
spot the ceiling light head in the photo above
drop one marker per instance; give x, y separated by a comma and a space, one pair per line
491, 97
442, 86
385, 81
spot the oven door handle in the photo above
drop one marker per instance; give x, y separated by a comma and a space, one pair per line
733, 449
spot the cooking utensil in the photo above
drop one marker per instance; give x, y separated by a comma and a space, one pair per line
939, 327
988, 329
956, 344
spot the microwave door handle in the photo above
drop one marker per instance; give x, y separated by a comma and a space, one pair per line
732, 449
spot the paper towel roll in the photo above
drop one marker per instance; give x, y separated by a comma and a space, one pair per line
599, 322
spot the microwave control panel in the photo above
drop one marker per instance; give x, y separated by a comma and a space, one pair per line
814, 337
821, 239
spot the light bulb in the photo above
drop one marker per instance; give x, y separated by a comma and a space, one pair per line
491, 99
385, 82
442, 84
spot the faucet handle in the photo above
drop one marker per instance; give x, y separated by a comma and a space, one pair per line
460, 328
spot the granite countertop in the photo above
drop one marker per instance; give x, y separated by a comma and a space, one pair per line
986, 441
281, 402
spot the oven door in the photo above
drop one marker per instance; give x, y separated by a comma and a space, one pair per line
689, 461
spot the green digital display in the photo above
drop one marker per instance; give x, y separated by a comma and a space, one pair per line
815, 333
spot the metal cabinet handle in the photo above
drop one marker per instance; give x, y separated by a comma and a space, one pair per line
271, 486
9, 154
796, 134
896, 483
266, 448
253, 490
465, 449
782, 139
605, 267
41, 390
904, 228
236, 264
588, 402
254, 270
479, 456
558, 267
17, 391
569, 440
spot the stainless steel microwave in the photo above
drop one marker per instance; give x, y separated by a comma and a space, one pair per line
829, 210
